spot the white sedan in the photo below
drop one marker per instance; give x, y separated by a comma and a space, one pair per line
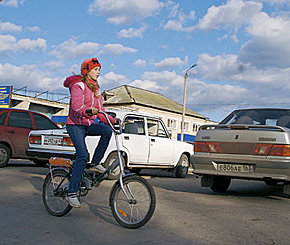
144, 143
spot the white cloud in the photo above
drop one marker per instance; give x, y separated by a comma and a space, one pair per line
54, 65
270, 44
172, 62
179, 24
13, 3
200, 92
173, 11
276, 1
28, 75
27, 45
270, 35
116, 49
73, 50
264, 26
131, 32
140, 63
112, 80
33, 28
125, 11
248, 84
9, 43
167, 83
219, 68
234, 13
146, 84
6, 27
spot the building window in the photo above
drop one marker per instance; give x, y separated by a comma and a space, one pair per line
195, 127
171, 123
186, 126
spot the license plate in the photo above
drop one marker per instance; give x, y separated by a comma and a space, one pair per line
235, 168
53, 140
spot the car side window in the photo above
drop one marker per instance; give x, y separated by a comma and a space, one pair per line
155, 128
134, 125
3, 117
43, 122
19, 119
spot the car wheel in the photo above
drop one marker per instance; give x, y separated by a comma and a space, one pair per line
5, 154
182, 167
111, 158
40, 163
220, 184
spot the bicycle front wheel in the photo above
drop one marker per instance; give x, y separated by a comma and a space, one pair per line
136, 211
54, 191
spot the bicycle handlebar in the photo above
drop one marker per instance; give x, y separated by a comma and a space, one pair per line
89, 112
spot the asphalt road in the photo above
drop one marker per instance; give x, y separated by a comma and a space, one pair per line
249, 213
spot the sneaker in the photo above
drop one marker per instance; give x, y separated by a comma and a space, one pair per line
73, 201
98, 168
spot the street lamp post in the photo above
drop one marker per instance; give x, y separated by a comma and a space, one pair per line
184, 101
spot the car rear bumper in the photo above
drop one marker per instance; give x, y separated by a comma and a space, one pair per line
47, 154
264, 169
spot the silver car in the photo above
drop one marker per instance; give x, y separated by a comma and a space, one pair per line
248, 144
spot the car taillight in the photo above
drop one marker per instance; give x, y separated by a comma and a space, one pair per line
200, 147
262, 149
35, 139
280, 150
67, 141
213, 147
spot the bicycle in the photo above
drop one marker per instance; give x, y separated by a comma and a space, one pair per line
132, 198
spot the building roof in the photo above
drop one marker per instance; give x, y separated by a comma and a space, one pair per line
128, 95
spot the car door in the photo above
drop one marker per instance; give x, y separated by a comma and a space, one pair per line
18, 126
161, 146
135, 139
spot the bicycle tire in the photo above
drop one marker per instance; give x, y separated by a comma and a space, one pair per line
137, 211
55, 203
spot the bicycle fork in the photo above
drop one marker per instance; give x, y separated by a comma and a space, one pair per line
122, 173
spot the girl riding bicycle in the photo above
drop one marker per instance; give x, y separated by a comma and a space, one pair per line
85, 94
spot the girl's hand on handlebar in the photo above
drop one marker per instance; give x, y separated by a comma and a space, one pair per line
117, 120
94, 111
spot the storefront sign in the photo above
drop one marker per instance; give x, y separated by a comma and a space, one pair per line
5, 96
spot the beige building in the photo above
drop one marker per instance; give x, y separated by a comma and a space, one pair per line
140, 100
125, 98
46, 107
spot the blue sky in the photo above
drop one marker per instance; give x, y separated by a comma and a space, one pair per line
241, 48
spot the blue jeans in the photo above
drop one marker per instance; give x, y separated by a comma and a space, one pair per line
77, 134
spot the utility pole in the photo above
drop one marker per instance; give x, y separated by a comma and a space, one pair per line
184, 101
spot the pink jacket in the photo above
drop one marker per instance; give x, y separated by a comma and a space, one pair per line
82, 98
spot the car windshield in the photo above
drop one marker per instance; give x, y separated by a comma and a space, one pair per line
268, 117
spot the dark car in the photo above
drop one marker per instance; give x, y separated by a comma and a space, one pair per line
15, 125
251, 144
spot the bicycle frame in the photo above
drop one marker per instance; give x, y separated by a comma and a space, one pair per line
97, 180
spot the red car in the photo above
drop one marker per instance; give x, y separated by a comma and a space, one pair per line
15, 125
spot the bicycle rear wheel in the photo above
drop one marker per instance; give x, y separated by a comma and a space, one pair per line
136, 211
53, 197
